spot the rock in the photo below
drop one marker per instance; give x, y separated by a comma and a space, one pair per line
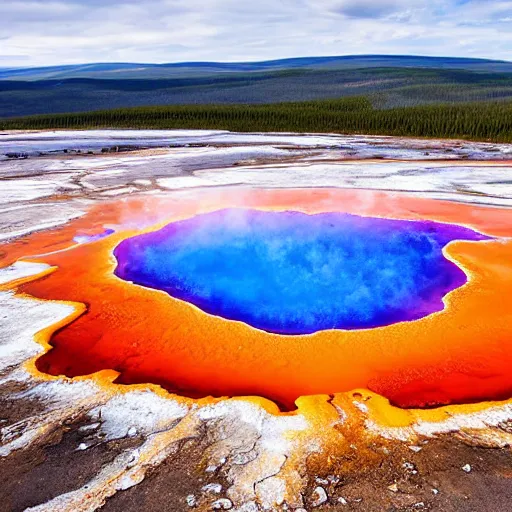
132, 432
213, 488
415, 449
467, 468
222, 504
419, 505
89, 428
435, 492
17, 155
82, 446
319, 497
191, 500
342, 500
410, 467
393, 488
134, 457
251, 507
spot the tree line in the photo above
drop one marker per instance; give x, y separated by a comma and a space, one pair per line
355, 115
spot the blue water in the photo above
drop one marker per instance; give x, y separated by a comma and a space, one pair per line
292, 273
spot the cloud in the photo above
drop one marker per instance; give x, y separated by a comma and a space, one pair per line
38, 32
370, 9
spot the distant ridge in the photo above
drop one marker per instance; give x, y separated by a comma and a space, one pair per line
119, 70
387, 81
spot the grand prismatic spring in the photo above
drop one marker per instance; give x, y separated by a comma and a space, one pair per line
254, 322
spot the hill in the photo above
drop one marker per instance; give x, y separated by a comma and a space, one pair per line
387, 81
123, 70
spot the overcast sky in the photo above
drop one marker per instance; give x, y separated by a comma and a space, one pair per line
48, 32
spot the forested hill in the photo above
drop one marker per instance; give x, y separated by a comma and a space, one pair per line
387, 81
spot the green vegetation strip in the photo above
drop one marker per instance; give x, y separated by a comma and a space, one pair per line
476, 121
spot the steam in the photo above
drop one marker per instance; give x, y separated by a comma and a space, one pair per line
293, 273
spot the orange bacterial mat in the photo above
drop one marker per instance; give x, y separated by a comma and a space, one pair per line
461, 354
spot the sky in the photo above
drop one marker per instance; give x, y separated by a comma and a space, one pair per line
51, 32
